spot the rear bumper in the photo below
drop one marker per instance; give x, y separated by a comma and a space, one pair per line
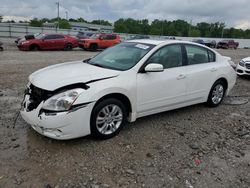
83, 45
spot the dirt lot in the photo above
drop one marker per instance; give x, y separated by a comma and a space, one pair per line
190, 147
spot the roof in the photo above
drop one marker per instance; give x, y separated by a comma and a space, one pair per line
158, 42
148, 41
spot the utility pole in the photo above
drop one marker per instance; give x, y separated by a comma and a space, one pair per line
66, 12
58, 7
222, 33
189, 27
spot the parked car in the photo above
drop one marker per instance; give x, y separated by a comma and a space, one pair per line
99, 41
134, 37
49, 42
210, 43
169, 38
243, 68
1, 46
125, 82
227, 44
27, 37
199, 41
84, 35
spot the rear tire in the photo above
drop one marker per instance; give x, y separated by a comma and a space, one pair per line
93, 47
107, 118
1, 48
216, 94
68, 47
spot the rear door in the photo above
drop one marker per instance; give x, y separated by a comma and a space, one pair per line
49, 42
201, 71
113, 39
60, 41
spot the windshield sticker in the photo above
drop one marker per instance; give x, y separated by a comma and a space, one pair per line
142, 46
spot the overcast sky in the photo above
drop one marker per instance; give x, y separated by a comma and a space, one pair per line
232, 12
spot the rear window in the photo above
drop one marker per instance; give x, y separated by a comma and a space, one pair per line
199, 55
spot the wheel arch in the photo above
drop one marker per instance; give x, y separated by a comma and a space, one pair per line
34, 44
119, 96
224, 80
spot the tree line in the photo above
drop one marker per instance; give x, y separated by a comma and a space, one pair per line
179, 28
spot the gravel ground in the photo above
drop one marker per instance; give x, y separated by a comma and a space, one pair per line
190, 147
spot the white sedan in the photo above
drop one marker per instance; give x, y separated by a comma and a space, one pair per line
243, 68
128, 81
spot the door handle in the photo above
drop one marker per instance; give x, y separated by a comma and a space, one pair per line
181, 76
213, 69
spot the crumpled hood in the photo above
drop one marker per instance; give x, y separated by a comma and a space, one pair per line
57, 76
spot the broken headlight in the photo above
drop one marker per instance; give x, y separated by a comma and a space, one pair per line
62, 101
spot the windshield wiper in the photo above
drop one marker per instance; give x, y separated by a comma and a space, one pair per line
98, 65
86, 60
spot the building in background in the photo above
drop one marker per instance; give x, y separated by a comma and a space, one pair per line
79, 26
16, 19
49, 25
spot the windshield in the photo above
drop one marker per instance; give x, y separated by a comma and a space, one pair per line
40, 36
95, 36
122, 56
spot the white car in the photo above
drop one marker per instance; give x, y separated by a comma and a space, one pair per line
243, 68
128, 81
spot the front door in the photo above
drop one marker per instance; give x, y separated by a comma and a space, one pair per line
159, 91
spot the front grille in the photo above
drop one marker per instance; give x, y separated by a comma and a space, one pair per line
37, 95
248, 65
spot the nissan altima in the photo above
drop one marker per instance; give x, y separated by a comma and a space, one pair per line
130, 80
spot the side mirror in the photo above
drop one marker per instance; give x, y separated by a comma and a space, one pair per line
101, 38
154, 67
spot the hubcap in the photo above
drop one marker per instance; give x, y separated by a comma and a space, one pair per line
109, 119
217, 94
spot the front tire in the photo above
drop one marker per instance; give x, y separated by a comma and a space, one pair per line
34, 47
216, 94
107, 118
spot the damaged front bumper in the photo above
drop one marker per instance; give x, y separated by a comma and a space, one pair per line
60, 125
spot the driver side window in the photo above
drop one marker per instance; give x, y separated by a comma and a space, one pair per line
169, 56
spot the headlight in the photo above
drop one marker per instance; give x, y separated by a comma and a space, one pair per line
62, 101
25, 42
242, 63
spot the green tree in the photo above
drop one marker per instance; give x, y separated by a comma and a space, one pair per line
204, 29
101, 22
64, 24
81, 20
120, 26
194, 33
35, 23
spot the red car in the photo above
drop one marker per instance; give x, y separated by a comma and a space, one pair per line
226, 44
49, 42
99, 41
